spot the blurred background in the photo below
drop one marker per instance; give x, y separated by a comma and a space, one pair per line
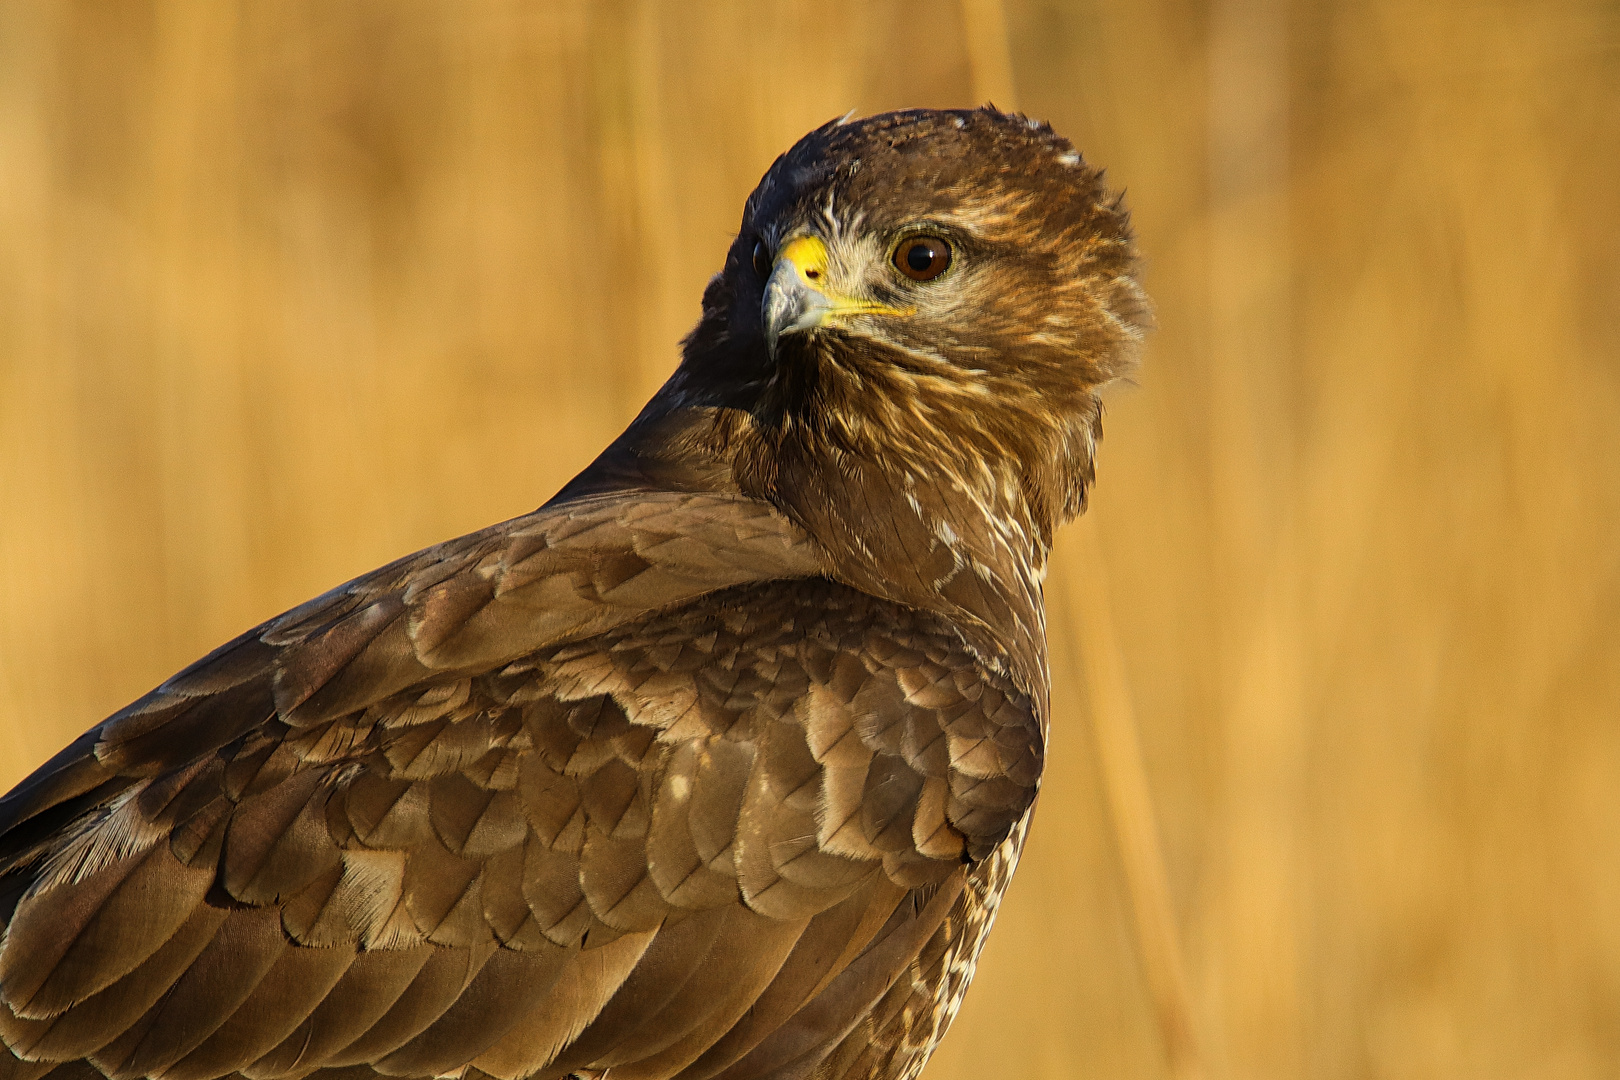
290, 288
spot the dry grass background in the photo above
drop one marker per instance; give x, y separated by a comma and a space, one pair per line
289, 288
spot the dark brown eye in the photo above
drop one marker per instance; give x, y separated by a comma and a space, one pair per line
922, 258
762, 259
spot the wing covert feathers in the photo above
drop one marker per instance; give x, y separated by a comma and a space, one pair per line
637, 790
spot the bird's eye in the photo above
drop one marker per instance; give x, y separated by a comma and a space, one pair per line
922, 258
762, 259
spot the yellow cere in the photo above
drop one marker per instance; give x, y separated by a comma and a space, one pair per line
808, 255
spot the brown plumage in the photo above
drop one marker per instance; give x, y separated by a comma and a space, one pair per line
715, 766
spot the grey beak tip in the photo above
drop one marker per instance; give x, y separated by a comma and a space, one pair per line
789, 305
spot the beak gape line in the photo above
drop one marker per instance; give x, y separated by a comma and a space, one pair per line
796, 297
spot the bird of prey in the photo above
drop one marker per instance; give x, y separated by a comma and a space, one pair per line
715, 766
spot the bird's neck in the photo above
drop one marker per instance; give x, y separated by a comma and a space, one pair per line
938, 530
926, 533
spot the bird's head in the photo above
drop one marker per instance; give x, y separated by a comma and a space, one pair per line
971, 245
929, 288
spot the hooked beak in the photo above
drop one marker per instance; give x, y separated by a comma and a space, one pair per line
796, 296
794, 300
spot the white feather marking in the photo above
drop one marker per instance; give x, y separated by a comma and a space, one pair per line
99, 839
368, 896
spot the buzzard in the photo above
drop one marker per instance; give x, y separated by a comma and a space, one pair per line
714, 766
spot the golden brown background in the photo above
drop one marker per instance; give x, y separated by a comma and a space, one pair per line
291, 287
